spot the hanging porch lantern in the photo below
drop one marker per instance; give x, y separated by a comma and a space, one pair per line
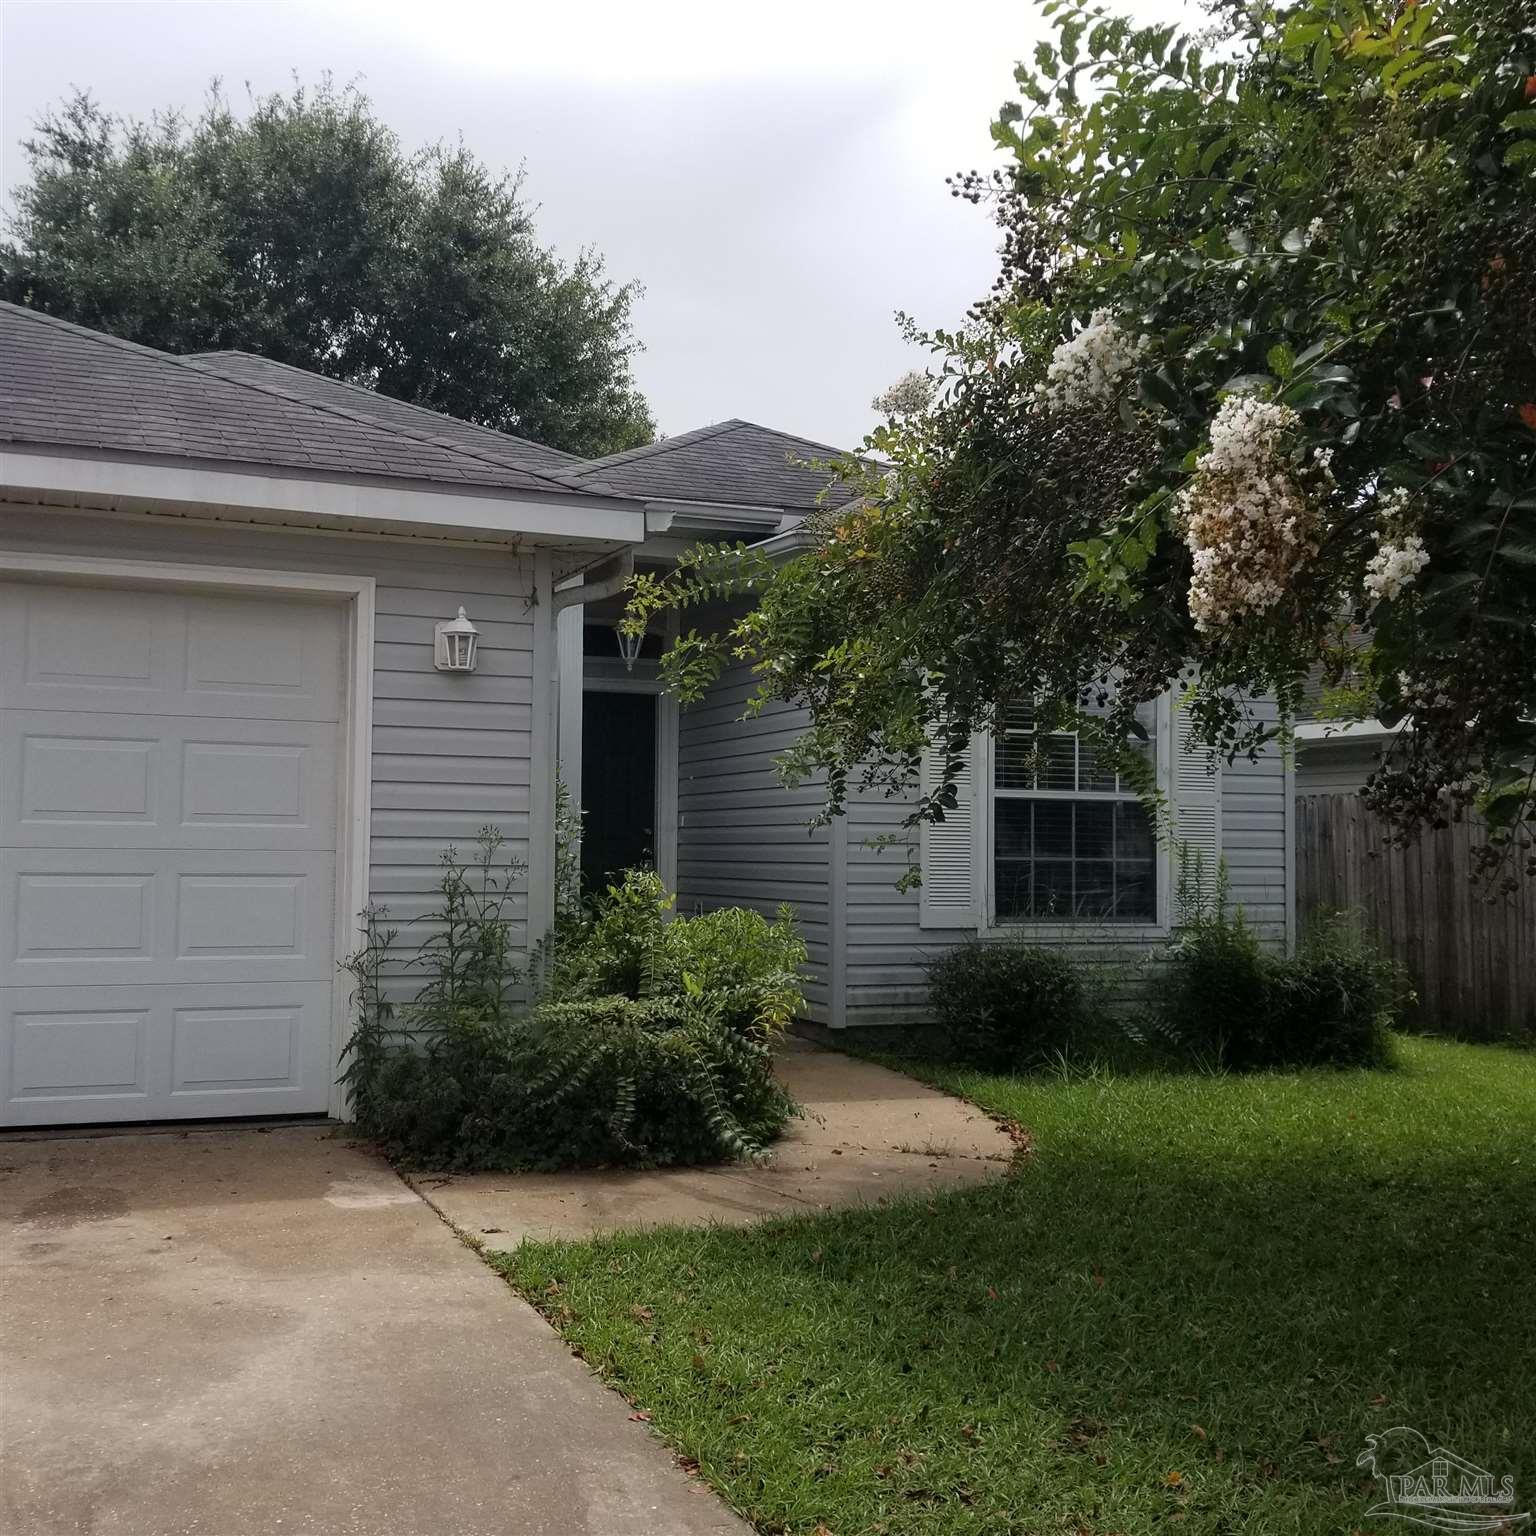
458, 643
629, 646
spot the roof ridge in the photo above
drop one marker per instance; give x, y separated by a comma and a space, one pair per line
187, 361
377, 394
809, 442
667, 444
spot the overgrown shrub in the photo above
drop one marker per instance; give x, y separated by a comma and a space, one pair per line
610, 1080
656, 1080
1217, 995
1004, 1006
1210, 993
627, 1057
1336, 1001
747, 967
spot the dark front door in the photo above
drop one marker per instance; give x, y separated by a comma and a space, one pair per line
618, 785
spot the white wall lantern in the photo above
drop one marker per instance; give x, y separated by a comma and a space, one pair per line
458, 644
629, 645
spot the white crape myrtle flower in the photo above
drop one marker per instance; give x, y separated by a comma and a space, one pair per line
1090, 367
1400, 555
908, 396
1247, 520
1395, 565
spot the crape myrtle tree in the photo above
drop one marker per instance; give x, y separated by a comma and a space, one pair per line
1255, 389
302, 230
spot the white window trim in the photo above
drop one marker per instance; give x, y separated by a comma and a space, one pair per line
356, 782
1072, 930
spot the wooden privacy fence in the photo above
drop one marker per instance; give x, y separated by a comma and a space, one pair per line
1472, 960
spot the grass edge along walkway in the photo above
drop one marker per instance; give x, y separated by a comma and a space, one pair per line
1187, 1307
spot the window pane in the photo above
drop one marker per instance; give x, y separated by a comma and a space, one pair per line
1058, 767
1136, 893
1095, 888
1090, 774
1012, 834
1133, 831
1053, 889
1095, 830
1016, 762
1053, 829
1012, 878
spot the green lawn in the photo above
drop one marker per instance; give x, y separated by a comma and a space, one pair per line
1186, 1309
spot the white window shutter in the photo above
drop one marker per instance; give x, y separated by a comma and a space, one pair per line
1196, 805
950, 892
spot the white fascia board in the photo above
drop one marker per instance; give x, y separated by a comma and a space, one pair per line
666, 515
785, 546
1312, 731
327, 502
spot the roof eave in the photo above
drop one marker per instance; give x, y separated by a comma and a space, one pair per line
798, 540
211, 488
674, 515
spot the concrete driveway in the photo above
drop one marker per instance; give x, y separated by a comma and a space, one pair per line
247, 1333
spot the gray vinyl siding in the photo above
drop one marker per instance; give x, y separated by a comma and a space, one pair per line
888, 949
1254, 824
1335, 767
450, 754
743, 839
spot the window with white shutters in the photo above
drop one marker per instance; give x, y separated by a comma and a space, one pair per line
1070, 840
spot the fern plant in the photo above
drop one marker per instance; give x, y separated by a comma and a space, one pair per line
647, 1045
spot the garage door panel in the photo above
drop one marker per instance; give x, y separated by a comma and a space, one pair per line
83, 1054
84, 648
247, 658
83, 778
125, 916
113, 646
78, 780
169, 789
92, 1051
63, 918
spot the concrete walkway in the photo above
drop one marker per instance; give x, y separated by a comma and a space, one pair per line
869, 1134
249, 1334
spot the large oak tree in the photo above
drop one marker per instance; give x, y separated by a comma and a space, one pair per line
302, 230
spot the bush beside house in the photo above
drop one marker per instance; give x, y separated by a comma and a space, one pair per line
646, 1040
1213, 995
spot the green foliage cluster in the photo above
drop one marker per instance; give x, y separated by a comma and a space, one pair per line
647, 1041
1219, 997
1211, 996
303, 231
1008, 1006
1326, 204
748, 967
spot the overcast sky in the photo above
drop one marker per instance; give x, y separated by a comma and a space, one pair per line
773, 174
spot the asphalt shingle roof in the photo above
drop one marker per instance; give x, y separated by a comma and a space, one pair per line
732, 463
62, 385
386, 411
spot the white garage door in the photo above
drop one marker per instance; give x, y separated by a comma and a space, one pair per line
168, 808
